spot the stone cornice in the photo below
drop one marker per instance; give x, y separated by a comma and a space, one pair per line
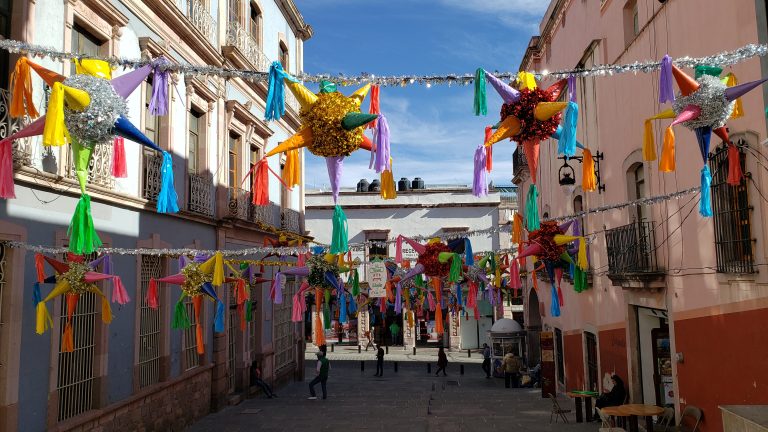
107, 11
301, 29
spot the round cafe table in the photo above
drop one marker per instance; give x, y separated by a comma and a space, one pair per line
615, 411
641, 410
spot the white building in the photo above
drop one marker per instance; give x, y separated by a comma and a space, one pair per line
432, 211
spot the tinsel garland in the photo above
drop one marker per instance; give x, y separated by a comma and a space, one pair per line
531, 129
545, 237
324, 119
317, 268
430, 260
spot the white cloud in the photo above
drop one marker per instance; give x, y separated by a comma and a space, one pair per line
513, 13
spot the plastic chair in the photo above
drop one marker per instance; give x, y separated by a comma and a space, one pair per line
557, 411
665, 420
606, 426
691, 416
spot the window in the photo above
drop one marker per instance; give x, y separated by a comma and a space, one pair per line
731, 212
150, 325
578, 206
376, 250
559, 352
592, 376
5, 33
234, 11
636, 190
255, 157
234, 161
193, 151
151, 122
254, 23
83, 42
232, 338
284, 348
631, 22
283, 56
191, 358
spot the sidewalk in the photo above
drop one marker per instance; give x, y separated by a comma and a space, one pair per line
396, 354
403, 401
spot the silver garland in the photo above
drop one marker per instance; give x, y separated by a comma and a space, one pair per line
94, 124
710, 97
724, 58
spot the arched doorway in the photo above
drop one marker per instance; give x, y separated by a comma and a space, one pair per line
533, 326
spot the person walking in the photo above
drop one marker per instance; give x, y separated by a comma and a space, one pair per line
322, 368
379, 361
395, 330
512, 365
442, 362
487, 360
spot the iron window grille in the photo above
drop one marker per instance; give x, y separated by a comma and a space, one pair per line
632, 248
150, 325
731, 214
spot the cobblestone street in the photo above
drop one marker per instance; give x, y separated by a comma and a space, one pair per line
407, 400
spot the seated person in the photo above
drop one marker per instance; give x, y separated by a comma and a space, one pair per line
535, 374
256, 380
615, 397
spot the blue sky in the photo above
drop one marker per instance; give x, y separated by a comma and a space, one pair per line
434, 132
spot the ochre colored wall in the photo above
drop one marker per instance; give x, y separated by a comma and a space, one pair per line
574, 361
612, 347
711, 374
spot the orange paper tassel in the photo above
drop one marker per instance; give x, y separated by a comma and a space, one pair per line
439, 327
21, 83
151, 297
260, 187
517, 229
649, 145
588, 176
667, 161
67, 338
488, 149
374, 108
197, 302
734, 166
40, 267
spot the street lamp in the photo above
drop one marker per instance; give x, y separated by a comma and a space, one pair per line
567, 177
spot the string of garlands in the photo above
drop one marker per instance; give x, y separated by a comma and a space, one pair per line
724, 58
170, 252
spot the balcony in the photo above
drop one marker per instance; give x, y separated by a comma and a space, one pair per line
241, 207
99, 167
291, 221
153, 163
200, 18
238, 37
519, 165
200, 194
632, 260
22, 151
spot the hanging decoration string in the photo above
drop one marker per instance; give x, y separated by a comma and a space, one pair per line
724, 58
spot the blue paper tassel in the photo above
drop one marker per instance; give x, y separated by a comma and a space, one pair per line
469, 257
567, 143
352, 305
276, 93
458, 294
554, 309
36, 297
218, 322
342, 308
167, 200
705, 204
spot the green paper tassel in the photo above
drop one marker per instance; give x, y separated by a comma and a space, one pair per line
419, 281
481, 102
248, 311
707, 70
532, 208
180, 316
356, 284
327, 295
339, 236
326, 317
579, 279
456, 267
82, 234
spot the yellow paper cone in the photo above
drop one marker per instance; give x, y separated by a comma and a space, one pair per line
76, 99
526, 80
359, 95
738, 108
96, 68
302, 138
507, 129
561, 239
304, 95
547, 110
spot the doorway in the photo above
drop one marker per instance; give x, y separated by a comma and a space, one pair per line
654, 357
533, 326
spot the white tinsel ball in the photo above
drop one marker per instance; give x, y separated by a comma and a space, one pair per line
94, 125
710, 97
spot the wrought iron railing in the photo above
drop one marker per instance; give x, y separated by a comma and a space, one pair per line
200, 194
22, 152
268, 214
239, 203
239, 37
153, 163
291, 220
198, 14
632, 249
519, 163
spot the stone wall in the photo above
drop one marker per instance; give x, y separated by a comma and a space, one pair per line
170, 405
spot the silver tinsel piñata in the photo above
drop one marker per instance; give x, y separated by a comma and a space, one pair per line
710, 97
94, 125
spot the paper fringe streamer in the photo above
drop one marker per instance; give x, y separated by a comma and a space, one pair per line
481, 102
374, 107
532, 208
82, 234
119, 165
667, 161
340, 231
588, 176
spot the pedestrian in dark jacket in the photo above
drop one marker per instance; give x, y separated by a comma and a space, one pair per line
379, 361
442, 362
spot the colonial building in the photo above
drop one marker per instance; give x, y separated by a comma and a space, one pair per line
417, 211
674, 297
137, 372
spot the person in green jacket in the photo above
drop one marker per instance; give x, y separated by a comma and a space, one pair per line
322, 368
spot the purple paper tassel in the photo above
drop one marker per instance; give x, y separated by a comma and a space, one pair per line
398, 299
158, 104
335, 165
572, 87
382, 145
666, 89
479, 181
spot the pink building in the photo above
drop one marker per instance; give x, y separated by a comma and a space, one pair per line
678, 303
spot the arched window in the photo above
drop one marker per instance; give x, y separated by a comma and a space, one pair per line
284, 56
636, 189
578, 206
254, 23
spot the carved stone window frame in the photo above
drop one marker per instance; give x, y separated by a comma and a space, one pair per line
254, 131
203, 100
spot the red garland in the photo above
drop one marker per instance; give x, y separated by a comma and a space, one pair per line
530, 128
429, 259
545, 237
